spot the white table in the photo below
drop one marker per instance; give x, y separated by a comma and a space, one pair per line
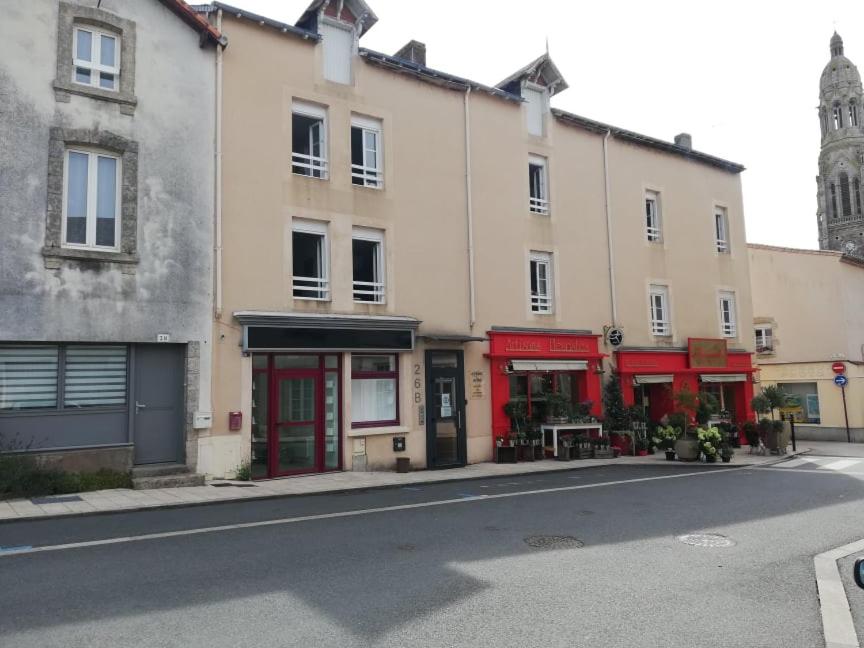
554, 429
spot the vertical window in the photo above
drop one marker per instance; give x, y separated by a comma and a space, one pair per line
535, 109
338, 43
658, 297
309, 140
728, 326
721, 230
652, 216
92, 205
367, 248
838, 117
374, 390
538, 186
845, 197
764, 339
856, 184
95, 58
540, 267
309, 260
833, 191
853, 114
366, 152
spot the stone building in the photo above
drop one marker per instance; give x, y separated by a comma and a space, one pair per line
107, 128
841, 160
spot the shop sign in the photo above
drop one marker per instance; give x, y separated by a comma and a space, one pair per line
548, 345
706, 353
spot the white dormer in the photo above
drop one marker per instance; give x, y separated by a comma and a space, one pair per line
340, 23
535, 83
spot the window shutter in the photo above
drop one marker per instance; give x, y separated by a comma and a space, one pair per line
28, 377
338, 51
535, 109
95, 376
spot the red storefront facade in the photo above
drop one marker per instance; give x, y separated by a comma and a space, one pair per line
652, 377
529, 364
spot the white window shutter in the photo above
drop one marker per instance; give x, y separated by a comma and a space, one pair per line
338, 52
535, 110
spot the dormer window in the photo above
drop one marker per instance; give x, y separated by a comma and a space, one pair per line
338, 41
536, 106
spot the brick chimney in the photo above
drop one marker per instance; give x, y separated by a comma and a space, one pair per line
684, 140
413, 51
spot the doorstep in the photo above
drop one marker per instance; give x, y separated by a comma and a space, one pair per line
220, 490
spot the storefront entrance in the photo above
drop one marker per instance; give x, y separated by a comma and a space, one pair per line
296, 405
446, 445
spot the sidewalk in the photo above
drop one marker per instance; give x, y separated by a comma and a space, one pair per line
121, 499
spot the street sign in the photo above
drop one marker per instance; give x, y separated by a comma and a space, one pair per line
838, 367
840, 380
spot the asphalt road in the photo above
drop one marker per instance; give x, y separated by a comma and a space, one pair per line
448, 565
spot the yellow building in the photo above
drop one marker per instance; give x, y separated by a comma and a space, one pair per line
809, 316
400, 251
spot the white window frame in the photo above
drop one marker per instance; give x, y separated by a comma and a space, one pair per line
658, 310
376, 289
320, 285
539, 204
369, 175
541, 303
330, 23
653, 217
726, 305
538, 129
95, 65
721, 230
310, 162
765, 334
93, 156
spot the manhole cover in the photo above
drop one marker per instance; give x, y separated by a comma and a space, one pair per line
554, 542
706, 540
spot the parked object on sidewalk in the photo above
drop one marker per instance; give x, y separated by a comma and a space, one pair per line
687, 448
505, 454
403, 464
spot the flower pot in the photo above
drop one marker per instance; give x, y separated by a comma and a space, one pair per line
710, 458
642, 453
670, 455
687, 449
726, 459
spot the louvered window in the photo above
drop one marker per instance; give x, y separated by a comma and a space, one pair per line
62, 377
94, 376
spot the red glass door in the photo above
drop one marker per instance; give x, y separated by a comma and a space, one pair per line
295, 429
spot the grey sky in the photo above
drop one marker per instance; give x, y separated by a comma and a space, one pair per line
741, 77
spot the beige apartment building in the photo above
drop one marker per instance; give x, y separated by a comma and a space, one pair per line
809, 317
401, 251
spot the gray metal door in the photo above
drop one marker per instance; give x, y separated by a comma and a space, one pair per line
157, 403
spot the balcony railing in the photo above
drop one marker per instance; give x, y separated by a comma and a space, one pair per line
367, 176
370, 292
653, 233
541, 303
308, 165
660, 328
538, 205
311, 288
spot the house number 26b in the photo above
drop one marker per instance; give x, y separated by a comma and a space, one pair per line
418, 384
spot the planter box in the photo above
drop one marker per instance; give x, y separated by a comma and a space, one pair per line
582, 453
539, 452
525, 453
505, 454
603, 453
565, 453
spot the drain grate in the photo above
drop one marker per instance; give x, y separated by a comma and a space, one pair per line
554, 542
712, 540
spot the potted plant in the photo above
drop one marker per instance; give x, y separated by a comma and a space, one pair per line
665, 437
726, 453
616, 416
602, 449
777, 441
709, 440
751, 434
535, 440
557, 409
764, 428
565, 447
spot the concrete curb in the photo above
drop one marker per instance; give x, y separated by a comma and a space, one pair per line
837, 624
768, 460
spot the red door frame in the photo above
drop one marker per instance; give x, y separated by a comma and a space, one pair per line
319, 374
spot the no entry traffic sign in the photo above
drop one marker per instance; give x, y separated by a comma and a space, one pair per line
838, 367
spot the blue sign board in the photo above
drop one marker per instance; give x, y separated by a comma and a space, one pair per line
840, 380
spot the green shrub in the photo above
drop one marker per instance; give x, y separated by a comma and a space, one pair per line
244, 471
24, 476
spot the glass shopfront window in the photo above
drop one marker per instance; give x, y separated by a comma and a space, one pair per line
541, 385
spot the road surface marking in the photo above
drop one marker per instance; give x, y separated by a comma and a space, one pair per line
18, 551
842, 464
837, 622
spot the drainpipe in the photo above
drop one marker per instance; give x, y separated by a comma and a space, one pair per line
218, 169
472, 308
612, 299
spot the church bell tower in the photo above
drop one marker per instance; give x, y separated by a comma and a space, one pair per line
841, 159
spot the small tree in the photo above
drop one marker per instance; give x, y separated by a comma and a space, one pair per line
760, 404
775, 398
617, 417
